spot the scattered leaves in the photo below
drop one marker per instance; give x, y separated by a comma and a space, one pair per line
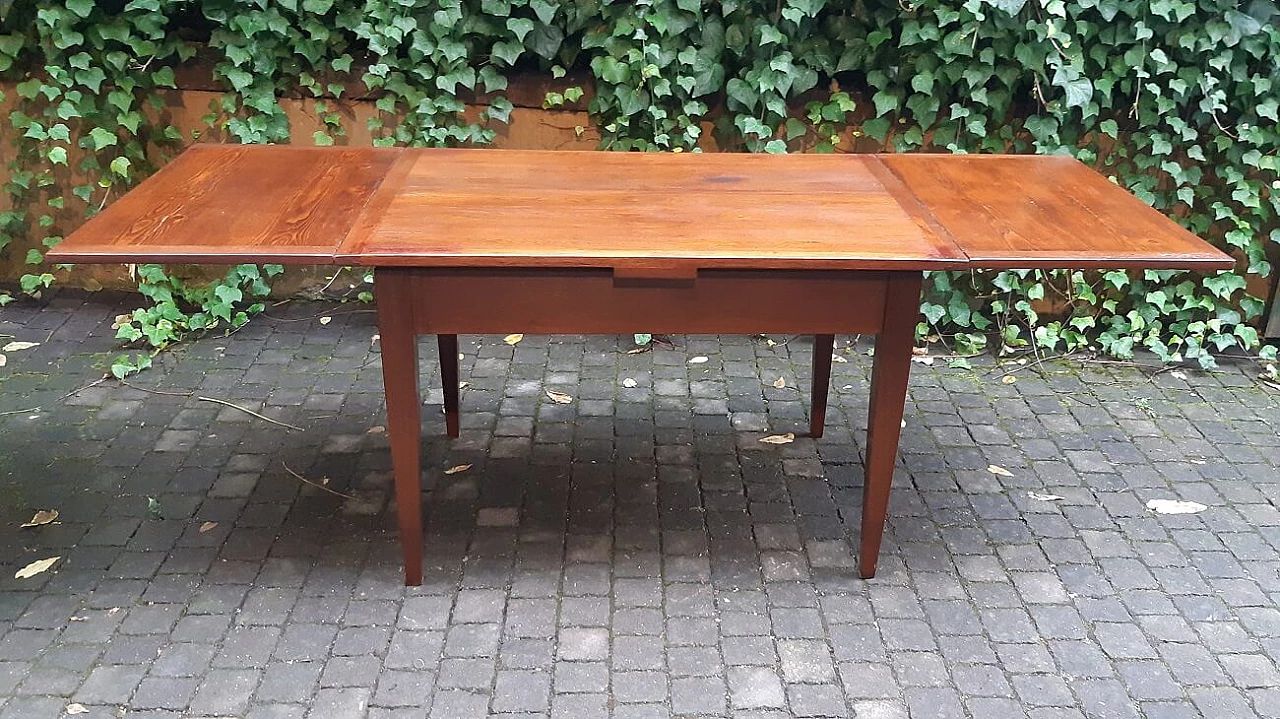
376, 429
838, 358
208, 527
457, 468
1175, 506
463, 385
780, 383
629, 383
787, 438
921, 359
153, 508
698, 360
35, 568
559, 397
1008, 379
43, 517
1044, 497
18, 346
325, 320
3, 360
513, 339
1178, 374
997, 469
73, 708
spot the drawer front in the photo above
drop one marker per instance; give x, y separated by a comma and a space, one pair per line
595, 301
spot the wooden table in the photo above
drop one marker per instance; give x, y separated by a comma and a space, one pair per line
489, 241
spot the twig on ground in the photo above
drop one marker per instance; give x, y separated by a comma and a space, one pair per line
249, 411
315, 484
156, 391
95, 383
19, 411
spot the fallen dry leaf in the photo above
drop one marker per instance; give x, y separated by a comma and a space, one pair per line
921, 359
1044, 497
919, 351
113, 611
79, 619
997, 469
838, 358
207, 527
787, 438
1175, 506
457, 468
3, 360
697, 360
74, 708
376, 429
1178, 374
18, 346
629, 383
325, 320
463, 385
1009, 379
780, 383
461, 356
35, 568
559, 397
513, 339
44, 516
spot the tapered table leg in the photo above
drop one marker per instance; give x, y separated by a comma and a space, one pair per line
404, 414
889, 375
822, 346
449, 378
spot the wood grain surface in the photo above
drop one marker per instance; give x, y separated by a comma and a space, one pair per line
1037, 211
662, 210
644, 214
236, 203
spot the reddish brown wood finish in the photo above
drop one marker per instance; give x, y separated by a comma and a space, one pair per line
655, 210
448, 345
549, 301
236, 203
1025, 211
822, 347
889, 373
404, 414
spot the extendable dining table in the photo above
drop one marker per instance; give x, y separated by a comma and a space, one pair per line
499, 241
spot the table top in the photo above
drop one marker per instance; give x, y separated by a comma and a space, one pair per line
664, 211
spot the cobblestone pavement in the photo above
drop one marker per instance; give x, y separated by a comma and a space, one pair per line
636, 553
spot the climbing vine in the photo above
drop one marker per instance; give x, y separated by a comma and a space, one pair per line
1177, 100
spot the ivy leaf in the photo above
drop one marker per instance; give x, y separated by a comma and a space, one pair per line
1241, 26
1079, 91
544, 9
58, 155
520, 26
545, 40
507, 52
1013, 7
81, 8
102, 138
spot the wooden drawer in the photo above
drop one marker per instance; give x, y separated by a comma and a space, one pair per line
602, 301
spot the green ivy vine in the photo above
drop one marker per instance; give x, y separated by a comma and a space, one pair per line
1177, 100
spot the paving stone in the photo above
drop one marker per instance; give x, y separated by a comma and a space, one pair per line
636, 554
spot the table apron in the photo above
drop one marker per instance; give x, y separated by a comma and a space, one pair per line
595, 301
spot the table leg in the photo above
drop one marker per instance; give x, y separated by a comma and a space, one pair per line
449, 378
822, 347
889, 375
404, 414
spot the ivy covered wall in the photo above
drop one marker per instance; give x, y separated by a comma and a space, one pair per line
1178, 101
